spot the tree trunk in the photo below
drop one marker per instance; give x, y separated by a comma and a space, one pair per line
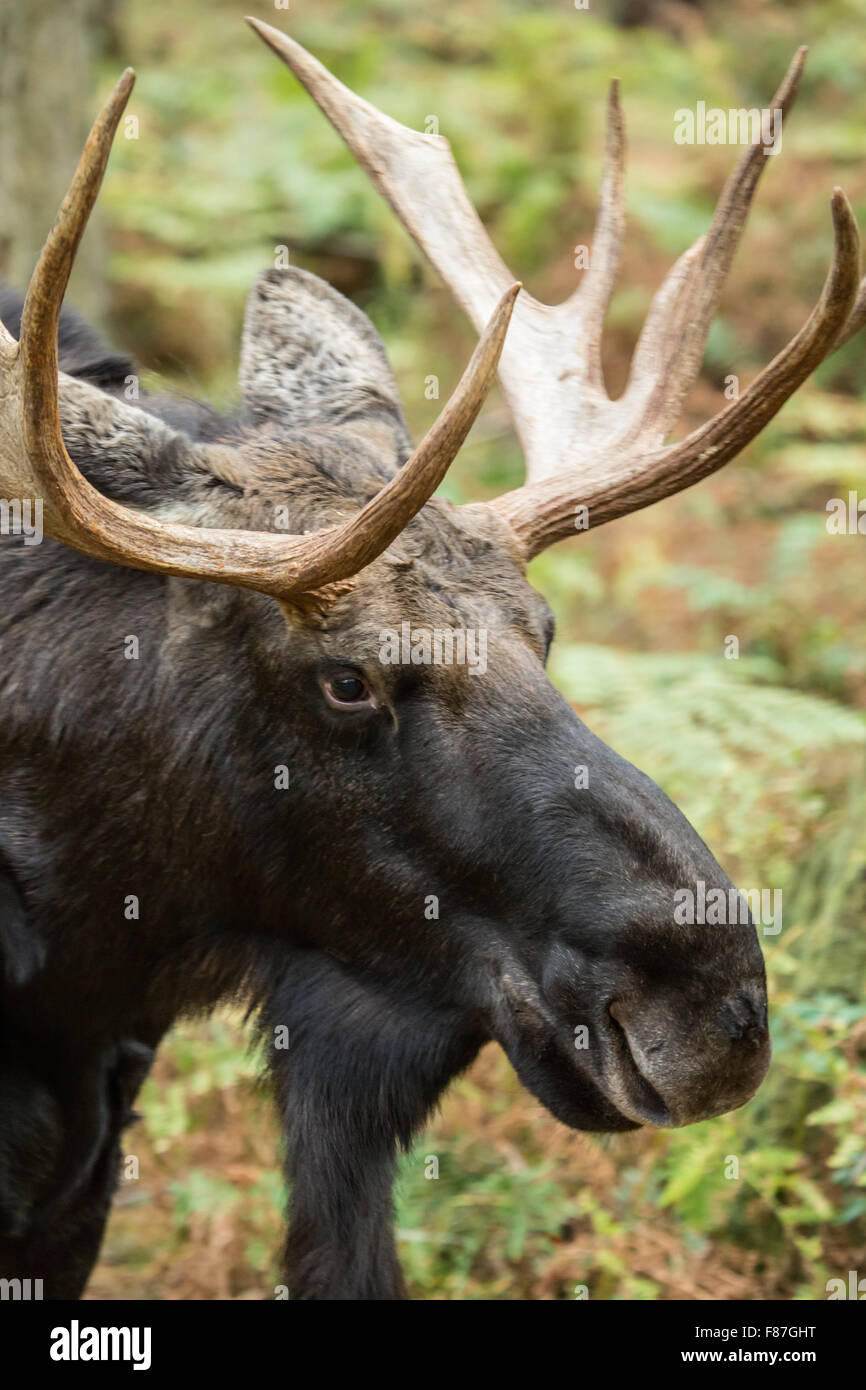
46, 107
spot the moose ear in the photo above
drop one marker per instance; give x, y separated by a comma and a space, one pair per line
311, 359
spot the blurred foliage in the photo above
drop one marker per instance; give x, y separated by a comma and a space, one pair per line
764, 753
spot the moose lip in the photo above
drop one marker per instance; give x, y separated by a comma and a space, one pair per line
626, 1085
618, 1079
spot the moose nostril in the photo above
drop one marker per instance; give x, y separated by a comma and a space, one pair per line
744, 1019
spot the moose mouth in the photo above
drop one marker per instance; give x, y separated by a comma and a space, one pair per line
585, 1092
628, 1088
629, 1075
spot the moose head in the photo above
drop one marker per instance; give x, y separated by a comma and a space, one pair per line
434, 874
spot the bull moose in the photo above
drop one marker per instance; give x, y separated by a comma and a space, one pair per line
280, 801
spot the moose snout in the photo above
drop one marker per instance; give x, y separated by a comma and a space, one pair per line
703, 1066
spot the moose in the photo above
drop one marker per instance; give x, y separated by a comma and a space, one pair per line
280, 803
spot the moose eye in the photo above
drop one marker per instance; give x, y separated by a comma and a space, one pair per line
348, 690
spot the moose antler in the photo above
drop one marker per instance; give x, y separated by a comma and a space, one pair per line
34, 462
583, 449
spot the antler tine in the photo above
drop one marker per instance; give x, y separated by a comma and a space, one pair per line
728, 432
31, 414
592, 297
668, 356
41, 312
34, 461
646, 382
415, 173
855, 320
545, 513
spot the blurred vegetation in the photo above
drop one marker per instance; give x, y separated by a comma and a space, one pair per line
765, 754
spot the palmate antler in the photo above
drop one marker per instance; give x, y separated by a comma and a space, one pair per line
34, 463
581, 448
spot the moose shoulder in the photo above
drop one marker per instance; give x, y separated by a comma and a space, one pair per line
218, 780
